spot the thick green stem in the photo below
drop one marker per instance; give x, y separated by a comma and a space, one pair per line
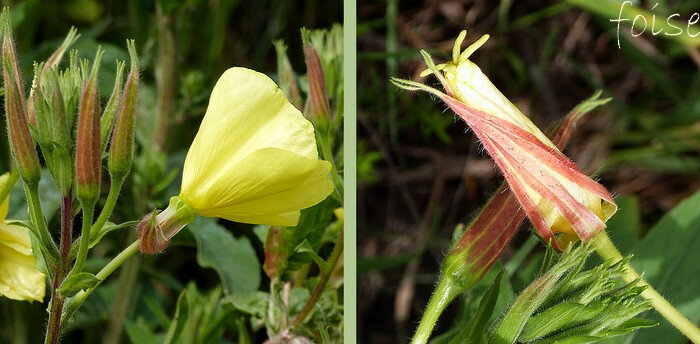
88, 211
115, 263
446, 290
108, 208
321, 285
607, 250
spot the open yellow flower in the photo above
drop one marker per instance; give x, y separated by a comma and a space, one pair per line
254, 160
20, 279
554, 193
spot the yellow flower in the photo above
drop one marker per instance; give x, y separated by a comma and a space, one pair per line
20, 279
553, 192
254, 160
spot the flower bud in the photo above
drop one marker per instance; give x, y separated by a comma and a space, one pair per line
51, 62
320, 107
121, 149
112, 107
156, 229
21, 141
88, 159
562, 203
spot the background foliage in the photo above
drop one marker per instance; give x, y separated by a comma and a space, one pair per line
422, 172
209, 285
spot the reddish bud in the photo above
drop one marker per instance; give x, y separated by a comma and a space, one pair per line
275, 255
317, 83
21, 141
121, 149
156, 229
88, 159
491, 230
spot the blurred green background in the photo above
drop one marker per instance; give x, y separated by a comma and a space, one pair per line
183, 46
421, 171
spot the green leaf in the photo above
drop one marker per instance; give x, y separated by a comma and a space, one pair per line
179, 320
509, 327
108, 227
561, 316
476, 328
311, 227
79, 281
669, 255
306, 247
233, 258
253, 303
139, 333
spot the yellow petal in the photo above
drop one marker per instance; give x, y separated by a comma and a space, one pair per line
247, 112
269, 186
254, 158
15, 237
472, 87
20, 279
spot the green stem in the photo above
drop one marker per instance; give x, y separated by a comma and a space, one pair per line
446, 290
77, 300
37, 218
88, 211
607, 250
108, 208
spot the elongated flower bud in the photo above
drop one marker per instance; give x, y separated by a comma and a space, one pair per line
112, 107
320, 107
121, 149
491, 230
21, 141
88, 153
156, 230
556, 196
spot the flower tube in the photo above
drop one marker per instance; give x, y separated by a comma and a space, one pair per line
253, 160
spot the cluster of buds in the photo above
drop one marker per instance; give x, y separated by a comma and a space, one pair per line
48, 118
567, 302
62, 116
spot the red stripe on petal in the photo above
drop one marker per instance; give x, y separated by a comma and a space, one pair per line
515, 148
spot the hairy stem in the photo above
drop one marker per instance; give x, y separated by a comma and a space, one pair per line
607, 250
446, 290
88, 211
325, 276
54, 324
115, 263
